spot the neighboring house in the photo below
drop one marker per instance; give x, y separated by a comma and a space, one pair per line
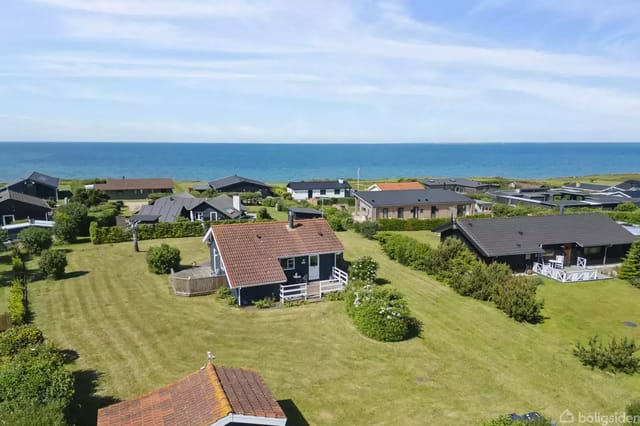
527, 186
17, 206
482, 207
213, 395
590, 187
132, 189
37, 185
240, 184
568, 199
172, 207
521, 241
413, 204
265, 259
460, 185
319, 189
395, 186
305, 213
629, 185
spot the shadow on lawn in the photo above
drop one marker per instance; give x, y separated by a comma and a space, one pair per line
86, 402
75, 274
294, 416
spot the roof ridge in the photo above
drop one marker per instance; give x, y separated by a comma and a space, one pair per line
218, 390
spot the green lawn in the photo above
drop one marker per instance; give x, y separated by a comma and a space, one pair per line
472, 362
282, 215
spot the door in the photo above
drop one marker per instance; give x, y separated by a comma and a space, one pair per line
310, 194
314, 267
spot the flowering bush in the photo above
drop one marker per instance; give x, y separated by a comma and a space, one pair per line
379, 313
364, 269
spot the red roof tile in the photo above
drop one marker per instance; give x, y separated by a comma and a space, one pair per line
395, 186
251, 252
202, 398
129, 184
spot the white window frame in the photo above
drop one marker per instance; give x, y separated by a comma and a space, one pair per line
290, 263
4, 222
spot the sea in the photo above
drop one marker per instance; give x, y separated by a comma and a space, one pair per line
301, 161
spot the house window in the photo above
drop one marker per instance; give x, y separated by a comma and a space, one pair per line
287, 263
400, 213
199, 216
385, 213
590, 251
323, 192
336, 192
8, 219
434, 211
414, 212
213, 215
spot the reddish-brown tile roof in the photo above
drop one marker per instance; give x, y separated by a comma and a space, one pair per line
202, 398
251, 251
129, 184
395, 186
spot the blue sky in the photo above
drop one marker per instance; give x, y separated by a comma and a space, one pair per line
326, 70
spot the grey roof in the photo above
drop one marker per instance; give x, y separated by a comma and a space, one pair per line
171, 207
457, 181
630, 184
220, 184
411, 197
38, 177
303, 210
144, 218
201, 187
525, 234
23, 198
318, 184
587, 186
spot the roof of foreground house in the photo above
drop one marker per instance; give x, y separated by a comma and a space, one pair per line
213, 395
251, 252
396, 186
130, 184
220, 184
411, 197
526, 234
23, 198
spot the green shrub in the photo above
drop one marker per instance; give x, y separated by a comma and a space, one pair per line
53, 263
265, 303
331, 297
34, 240
18, 267
629, 206
379, 313
224, 294
633, 413
33, 413
294, 303
481, 279
411, 224
17, 338
89, 197
106, 235
71, 221
364, 269
505, 420
630, 267
36, 374
161, 259
4, 236
338, 219
616, 357
367, 229
516, 297
17, 308
263, 214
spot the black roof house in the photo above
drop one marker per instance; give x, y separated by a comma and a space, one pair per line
411, 197
237, 183
17, 206
35, 184
629, 185
521, 240
170, 208
458, 184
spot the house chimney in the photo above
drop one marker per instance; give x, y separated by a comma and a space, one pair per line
236, 202
291, 218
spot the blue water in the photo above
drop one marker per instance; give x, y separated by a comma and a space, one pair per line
285, 162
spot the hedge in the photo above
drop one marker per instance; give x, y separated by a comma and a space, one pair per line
419, 224
117, 234
17, 309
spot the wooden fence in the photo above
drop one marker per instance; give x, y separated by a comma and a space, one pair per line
5, 321
188, 286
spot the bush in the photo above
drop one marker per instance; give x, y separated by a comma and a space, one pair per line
379, 313
505, 420
18, 267
616, 357
411, 224
364, 269
89, 197
633, 413
161, 259
71, 221
4, 236
629, 206
31, 413
263, 214
338, 219
17, 308
17, 338
34, 240
53, 263
630, 267
224, 294
265, 303
516, 297
105, 235
481, 279
331, 297
367, 229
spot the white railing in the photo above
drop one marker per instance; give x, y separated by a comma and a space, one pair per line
582, 262
565, 276
337, 282
293, 292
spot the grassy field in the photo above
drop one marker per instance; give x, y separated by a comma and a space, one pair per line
132, 336
428, 237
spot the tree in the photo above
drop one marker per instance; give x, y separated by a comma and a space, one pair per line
71, 219
163, 258
516, 297
364, 269
89, 197
263, 214
34, 240
629, 206
53, 263
630, 267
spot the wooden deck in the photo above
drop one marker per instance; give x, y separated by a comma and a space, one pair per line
569, 274
314, 290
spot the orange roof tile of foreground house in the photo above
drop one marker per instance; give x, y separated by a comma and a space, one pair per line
213, 395
251, 251
396, 186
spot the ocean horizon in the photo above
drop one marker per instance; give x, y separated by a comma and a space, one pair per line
282, 162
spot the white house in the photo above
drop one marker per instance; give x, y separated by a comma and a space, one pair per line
319, 189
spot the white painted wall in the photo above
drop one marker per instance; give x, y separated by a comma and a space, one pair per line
304, 195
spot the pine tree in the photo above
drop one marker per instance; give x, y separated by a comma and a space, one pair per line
630, 268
